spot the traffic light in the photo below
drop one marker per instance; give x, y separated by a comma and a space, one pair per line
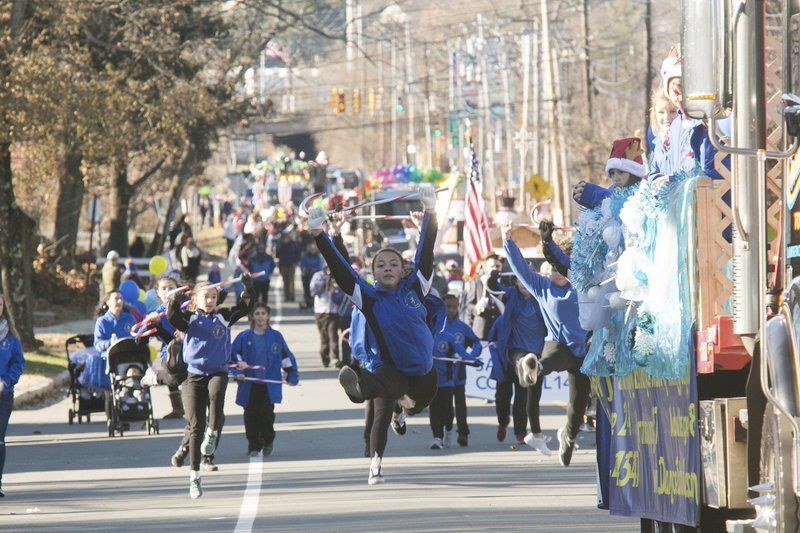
341, 106
333, 99
356, 101
399, 105
371, 99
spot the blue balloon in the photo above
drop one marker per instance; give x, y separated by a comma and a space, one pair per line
140, 306
129, 290
151, 300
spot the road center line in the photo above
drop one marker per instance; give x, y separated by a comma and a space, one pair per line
252, 492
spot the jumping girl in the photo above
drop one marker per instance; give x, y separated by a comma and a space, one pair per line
11, 363
262, 346
394, 310
206, 349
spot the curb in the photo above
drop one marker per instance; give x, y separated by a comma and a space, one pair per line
34, 394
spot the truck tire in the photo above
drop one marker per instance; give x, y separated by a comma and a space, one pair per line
776, 468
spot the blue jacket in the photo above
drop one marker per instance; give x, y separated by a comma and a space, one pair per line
501, 332
277, 358
397, 317
108, 325
559, 304
462, 338
164, 330
310, 263
11, 362
363, 345
258, 263
689, 146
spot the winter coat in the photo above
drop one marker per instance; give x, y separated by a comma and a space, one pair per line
278, 357
11, 362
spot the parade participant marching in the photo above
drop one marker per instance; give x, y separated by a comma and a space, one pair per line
462, 338
565, 345
262, 346
518, 332
396, 315
11, 363
261, 261
206, 349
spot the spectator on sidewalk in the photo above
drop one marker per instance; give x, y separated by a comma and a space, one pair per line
229, 231
11, 363
111, 275
190, 260
288, 253
310, 264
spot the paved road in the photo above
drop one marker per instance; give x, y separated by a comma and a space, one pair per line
75, 478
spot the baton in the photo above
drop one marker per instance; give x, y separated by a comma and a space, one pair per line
309, 199
258, 380
467, 362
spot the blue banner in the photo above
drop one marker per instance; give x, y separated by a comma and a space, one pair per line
653, 458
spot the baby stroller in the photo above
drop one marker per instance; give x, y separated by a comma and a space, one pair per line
129, 401
85, 400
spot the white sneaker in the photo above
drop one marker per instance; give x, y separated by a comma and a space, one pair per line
448, 438
406, 402
399, 423
538, 443
375, 475
529, 368
209, 442
149, 379
195, 488
437, 444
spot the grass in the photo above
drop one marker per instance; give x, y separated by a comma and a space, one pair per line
45, 362
211, 242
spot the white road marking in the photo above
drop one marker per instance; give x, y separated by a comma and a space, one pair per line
252, 492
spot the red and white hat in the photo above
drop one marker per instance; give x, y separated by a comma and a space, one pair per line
626, 155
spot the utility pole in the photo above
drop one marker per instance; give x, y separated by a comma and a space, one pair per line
562, 145
350, 47
587, 71
486, 114
507, 120
550, 94
395, 158
524, 135
537, 108
426, 106
410, 88
380, 106
648, 62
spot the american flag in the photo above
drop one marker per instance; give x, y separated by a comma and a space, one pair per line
477, 245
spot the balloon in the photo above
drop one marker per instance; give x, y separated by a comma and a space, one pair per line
141, 295
129, 290
157, 265
151, 300
153, 352
140, 307
612, 235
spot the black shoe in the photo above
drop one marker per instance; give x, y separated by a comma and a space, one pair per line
366, 450
338, 363
178, 457
326, 364
348, 379
565, 447
462, 441
208, 465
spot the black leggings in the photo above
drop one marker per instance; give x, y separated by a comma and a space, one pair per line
201, 393
557, 357
259, 418
460, 400
378, 418
441, 412
526, 400
261, 291
389, 383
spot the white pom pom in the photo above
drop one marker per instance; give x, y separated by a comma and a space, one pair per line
632, 216
616, 301
594, 293
605, 208
612, 235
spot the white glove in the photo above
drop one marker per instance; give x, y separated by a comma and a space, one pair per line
427, 195
316, 218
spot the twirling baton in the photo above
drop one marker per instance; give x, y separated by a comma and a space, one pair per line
249, 367
536, 218
315, 196
468, 362
258, 380
162, 314
381, 217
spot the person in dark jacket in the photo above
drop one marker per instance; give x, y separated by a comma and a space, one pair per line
288, 254
261, 261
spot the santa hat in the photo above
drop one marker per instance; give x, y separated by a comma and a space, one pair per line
670, 68
626, 155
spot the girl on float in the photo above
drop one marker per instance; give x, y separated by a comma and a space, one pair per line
206, 351
265, 347
395, 312
11, 363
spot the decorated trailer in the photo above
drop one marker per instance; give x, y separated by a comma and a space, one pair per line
702, 432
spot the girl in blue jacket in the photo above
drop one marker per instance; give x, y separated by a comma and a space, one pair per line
115, 323
464, 338
565, 345
395, 312
11, 363
262, 346
206, 352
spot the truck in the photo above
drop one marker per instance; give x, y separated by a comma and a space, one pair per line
718, 449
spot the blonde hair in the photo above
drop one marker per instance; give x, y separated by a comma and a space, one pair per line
658, 98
